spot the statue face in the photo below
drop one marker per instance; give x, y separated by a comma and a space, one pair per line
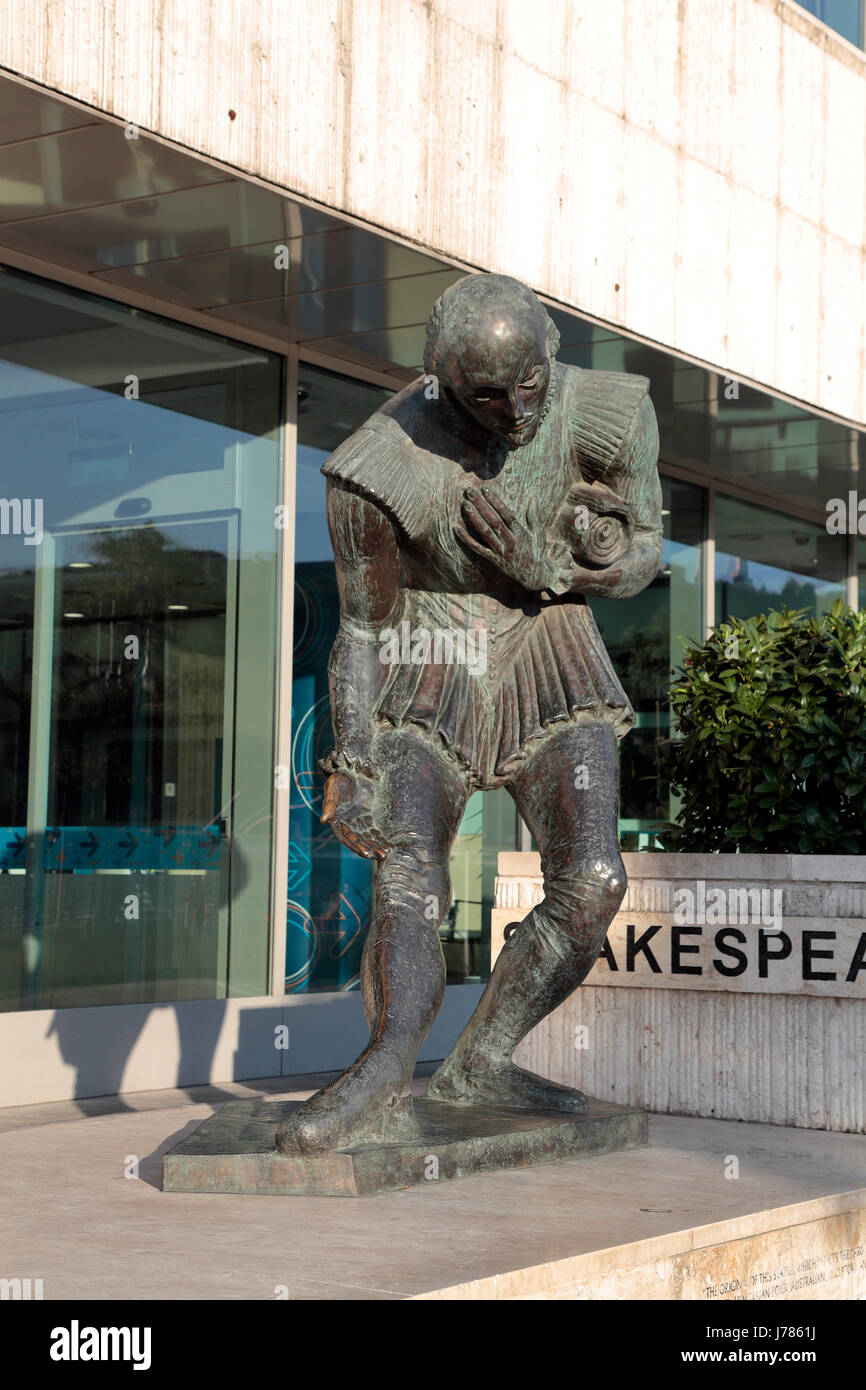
502, 381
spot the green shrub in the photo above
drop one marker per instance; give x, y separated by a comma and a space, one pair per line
770, 755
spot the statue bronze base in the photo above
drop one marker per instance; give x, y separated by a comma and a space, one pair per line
234, 1150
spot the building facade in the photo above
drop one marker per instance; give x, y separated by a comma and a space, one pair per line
222, 228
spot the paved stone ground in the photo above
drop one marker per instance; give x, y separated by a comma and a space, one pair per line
71, 1217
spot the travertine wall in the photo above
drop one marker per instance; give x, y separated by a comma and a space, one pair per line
693, 171
805, 1252
783, 1042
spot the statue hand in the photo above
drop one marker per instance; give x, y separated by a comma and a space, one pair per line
348, 809
504, 541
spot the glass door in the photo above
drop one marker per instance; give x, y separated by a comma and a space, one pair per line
129, 800
137, 654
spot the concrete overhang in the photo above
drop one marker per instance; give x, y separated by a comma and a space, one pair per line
107, 207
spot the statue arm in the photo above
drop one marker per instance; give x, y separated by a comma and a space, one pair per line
634, 477
367, 561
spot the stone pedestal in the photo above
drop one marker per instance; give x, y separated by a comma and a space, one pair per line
234, 1150
711, 997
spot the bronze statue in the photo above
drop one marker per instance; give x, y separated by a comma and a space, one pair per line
471, 516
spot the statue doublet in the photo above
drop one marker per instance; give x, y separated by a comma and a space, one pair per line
544, 659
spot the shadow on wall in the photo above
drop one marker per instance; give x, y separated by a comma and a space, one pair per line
114, 1048
85, 946
100, 1054
185, 1045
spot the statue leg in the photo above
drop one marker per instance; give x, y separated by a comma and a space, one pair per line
420, 803
555, 946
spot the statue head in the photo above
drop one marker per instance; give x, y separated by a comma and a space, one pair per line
491, 344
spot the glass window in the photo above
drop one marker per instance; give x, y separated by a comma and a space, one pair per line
329, 886
643, 636
138, 563
845, 16
721, 428
765, 560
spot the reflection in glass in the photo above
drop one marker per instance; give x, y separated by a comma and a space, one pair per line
765, 560
329, 886
643, 636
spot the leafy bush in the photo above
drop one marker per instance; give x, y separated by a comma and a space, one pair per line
771, 747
